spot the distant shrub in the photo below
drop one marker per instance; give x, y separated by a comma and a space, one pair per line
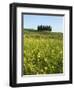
44, 28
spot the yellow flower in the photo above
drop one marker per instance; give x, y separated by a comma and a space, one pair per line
60, 52
41, 70
45, 59
38, 54
45, 68
52, 67
52, 51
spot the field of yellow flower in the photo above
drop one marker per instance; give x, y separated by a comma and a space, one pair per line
43, 53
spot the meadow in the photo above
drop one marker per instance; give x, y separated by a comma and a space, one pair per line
43, 52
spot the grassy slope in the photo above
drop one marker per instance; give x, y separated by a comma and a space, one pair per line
35, 33
43, 52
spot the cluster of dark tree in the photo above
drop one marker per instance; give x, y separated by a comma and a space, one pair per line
44, 28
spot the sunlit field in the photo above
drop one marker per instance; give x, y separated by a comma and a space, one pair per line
43, 52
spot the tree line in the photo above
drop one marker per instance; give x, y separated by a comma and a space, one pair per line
44, 28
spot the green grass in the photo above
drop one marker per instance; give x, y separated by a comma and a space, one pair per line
43, 52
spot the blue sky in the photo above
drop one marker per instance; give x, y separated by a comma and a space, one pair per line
32, 21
